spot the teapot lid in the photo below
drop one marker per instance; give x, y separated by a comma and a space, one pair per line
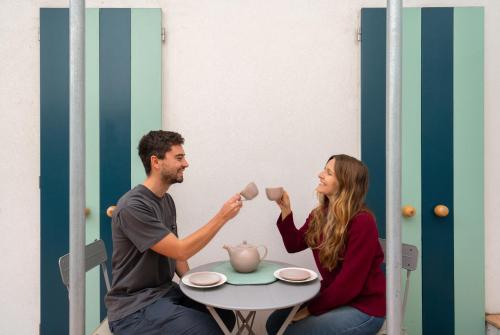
245, 245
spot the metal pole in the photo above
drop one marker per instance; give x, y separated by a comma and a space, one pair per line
77, 167
393, 164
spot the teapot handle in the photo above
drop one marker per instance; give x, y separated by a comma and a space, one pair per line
265, 251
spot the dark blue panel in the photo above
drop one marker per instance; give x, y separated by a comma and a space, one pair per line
114, 119
54, 167
373, 108
437, 170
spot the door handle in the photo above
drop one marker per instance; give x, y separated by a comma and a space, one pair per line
87, 211
110, 210
441, 211
408, 211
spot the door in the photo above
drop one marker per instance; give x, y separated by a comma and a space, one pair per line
442, 158
123, 101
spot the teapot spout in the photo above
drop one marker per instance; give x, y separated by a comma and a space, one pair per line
227, 247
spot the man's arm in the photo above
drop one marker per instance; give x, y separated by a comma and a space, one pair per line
181, 267
183, 249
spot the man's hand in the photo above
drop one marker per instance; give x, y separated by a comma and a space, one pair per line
231, 208
301, 314
284, 204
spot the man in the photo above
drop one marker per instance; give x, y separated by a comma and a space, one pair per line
146, 250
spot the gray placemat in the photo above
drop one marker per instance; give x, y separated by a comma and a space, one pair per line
263, 275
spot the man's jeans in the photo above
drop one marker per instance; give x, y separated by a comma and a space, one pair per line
174, 313
345, 320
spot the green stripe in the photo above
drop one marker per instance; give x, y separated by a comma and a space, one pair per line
92, 302
468, 170
411, 158
145, 82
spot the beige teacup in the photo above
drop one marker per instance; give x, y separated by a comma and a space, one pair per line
250, 191
274, 193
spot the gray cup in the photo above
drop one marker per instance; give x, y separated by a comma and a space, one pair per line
250, 191
274, 193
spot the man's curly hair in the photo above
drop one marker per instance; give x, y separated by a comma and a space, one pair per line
157, 143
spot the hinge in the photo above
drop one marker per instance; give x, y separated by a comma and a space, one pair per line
38, 34
358, 34
40, 182
163, 34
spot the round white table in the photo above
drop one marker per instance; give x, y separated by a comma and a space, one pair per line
251, 298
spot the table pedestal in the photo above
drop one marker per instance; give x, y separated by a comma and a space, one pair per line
243, 322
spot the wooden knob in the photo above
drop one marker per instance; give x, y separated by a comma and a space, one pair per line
87, 211
441, 211
110, 210
408, 211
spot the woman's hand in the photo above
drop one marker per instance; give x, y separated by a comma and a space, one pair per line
284, 204
301, 314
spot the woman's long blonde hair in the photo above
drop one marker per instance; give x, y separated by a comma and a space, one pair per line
328, 227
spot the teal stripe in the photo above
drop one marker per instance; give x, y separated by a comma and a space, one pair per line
411, 158
468, 170
145, 82
54, 167
92, 301
114, 117
437, 171
373, 108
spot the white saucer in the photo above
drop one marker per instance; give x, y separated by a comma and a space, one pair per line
204, 278
313, 275
185, 280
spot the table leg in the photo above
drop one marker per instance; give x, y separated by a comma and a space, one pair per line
288, 320
219, 321
246, 322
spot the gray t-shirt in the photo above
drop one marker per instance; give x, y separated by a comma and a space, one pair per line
140, 275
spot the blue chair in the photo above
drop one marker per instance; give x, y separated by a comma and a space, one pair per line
409, 263
95, 254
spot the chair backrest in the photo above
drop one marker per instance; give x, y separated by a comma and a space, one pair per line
409, 260
409, 255
95, 254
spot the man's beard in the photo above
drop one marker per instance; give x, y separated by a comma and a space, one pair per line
170, 178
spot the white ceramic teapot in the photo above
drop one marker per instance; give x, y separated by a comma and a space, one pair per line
245, 257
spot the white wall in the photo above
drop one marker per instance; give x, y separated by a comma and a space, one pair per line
262, 90
257, 101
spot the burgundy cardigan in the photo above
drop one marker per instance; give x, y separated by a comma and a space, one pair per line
358, 280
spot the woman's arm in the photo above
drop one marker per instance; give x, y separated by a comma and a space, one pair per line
293, 238
284, 204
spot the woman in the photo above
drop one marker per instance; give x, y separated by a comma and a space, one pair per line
343, 236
